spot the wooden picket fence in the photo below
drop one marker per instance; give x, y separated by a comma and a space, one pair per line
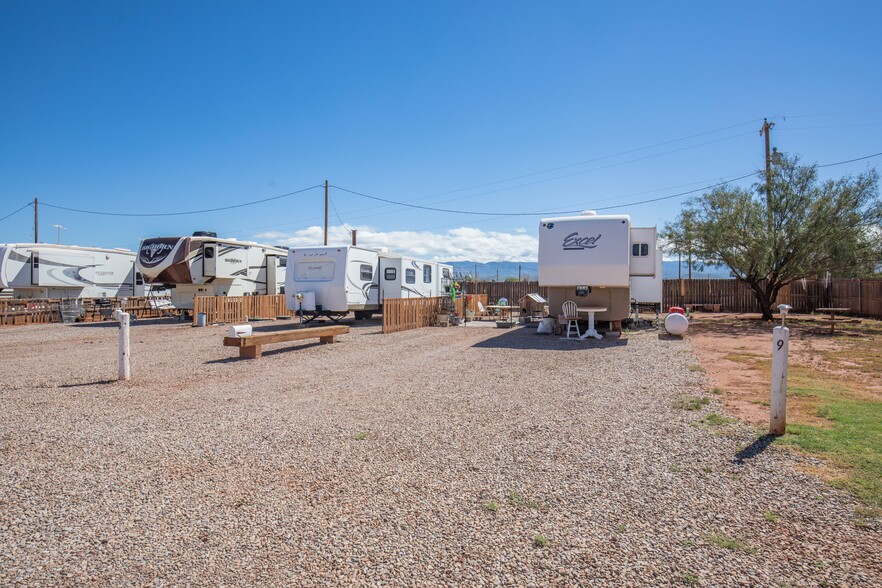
234, 309
31, 311
28, 312
404, 314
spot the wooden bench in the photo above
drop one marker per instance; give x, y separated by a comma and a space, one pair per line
250, 347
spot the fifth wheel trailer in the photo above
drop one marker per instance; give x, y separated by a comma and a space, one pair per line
204, 265
41, 270
338, 280
594, 259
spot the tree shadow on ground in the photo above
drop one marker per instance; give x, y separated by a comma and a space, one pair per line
741, 325
521, 338
759, 445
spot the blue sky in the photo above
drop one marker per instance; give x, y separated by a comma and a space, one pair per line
143, 107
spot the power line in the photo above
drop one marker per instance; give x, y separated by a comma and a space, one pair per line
337, 214
833, 114
559, 177
851, 160
855, 126
576, 164
16, 212
504, 214
141, 214
299, 226
546, 213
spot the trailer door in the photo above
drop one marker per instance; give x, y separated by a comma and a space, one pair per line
209, 260
390, 278
35, 268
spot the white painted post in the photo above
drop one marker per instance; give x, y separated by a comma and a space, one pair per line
125, 372
778, 408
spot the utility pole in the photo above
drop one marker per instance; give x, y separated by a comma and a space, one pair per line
764, 132
354, 232
59, 227
36, 223
326, 212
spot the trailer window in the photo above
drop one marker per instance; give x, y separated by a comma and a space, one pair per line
209, 252
640, 249
445, 272
283, 261
391, 273
410, 276
427, 274
367, 272
314, 271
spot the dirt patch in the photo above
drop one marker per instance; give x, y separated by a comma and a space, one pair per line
736, 352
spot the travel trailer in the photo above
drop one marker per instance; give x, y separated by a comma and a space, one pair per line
595, 260
333, 281
41, 270
204, 265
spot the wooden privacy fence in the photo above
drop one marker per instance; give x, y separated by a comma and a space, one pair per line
233, 309
470, 302
29, 311
730, 294
513, 291
404, 314
861, 296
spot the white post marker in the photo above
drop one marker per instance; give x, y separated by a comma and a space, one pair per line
125, 371
780, 348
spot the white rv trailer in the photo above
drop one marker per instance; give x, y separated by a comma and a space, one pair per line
358, 279
41, 270
204, 265
592, 259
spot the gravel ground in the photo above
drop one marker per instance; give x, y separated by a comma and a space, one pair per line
374, 462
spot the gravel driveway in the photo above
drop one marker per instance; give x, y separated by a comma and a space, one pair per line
430, 457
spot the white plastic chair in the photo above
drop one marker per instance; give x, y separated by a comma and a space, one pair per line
572, 317
481, 310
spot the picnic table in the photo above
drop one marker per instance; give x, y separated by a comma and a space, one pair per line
502, 308
833, 320
590, 311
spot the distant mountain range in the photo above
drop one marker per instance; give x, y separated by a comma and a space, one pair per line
510, 269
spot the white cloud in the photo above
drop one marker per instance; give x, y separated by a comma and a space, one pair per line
460, 244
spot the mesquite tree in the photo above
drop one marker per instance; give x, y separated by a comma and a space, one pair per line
811, 227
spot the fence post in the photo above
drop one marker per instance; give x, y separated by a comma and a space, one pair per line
778, 406
125, 372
